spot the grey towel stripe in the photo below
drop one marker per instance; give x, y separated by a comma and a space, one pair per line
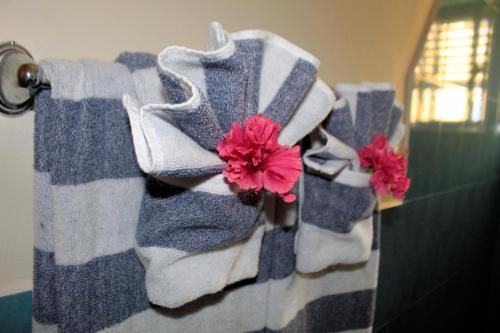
279, 242
191, 172
382, 100
200, 124
84, 140
252, 50
192, 221
137, 60
346, 205
45, 309
288, 97
364, 124
43, 136
107, 281
226, 82
340, 125
174, 91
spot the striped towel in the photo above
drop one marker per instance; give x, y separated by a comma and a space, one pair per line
88, 192
93, 200
340, 230
192, 220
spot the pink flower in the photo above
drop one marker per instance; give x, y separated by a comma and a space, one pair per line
388, 168
395, 162
400, 186
379, 181
372, 154
256, 160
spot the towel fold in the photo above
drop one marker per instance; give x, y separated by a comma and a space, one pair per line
196, 233
337, 202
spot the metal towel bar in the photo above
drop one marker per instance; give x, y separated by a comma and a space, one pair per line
20, 79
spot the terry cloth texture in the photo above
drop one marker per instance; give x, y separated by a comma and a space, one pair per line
337, 203
95, 206
192, 220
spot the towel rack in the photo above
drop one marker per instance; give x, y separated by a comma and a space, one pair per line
20, 79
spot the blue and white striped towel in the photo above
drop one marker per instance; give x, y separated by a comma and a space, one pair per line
90, 197
337, 202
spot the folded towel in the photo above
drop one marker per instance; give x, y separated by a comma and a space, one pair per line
90, 193
336, 210
196, 233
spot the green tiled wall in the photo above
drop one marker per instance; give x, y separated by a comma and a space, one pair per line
439, 269
436, 258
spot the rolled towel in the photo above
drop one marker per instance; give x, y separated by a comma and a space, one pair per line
337, 202
196, 233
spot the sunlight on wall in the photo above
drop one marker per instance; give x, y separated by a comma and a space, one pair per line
451, 76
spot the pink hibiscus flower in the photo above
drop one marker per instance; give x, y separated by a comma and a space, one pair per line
256, 160
388, 168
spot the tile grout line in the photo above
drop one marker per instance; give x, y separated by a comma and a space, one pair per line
419, 299
452, 189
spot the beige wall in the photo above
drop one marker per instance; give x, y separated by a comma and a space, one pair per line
356, 40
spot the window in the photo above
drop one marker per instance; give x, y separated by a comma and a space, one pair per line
451, 76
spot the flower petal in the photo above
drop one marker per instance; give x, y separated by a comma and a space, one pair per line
255, 159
